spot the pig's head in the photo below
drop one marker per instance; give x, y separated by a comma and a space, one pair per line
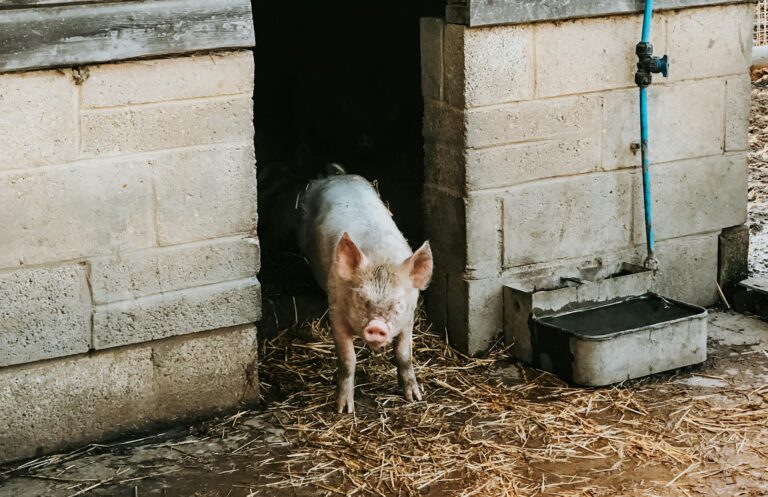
380, 297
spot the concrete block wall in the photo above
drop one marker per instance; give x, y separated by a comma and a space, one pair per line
127, 228
532, 165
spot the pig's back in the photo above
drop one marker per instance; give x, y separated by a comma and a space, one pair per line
348, 203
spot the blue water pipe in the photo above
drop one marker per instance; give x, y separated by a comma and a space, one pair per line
646, 65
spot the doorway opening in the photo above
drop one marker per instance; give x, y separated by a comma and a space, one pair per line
334, 82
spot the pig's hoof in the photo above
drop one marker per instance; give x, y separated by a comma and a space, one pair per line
345, 403
411, 390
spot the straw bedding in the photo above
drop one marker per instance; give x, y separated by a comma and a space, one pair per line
478, 433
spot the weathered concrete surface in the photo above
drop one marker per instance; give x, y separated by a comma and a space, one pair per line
431, 47
476, 75
176, 313
694, 196
733, 257
61, 403
509, 165
534, 120
38, 125
562, 68
38, 34
44, 313
475, 305
566, 218
721, 36
79, 210
688, 269
138, 274
562, 161
205, 193
474, 236
680, 125
162, 80
738, 90
120, 131
127, 218
161, 221
528, 11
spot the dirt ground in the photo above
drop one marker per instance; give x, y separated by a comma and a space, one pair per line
487, 427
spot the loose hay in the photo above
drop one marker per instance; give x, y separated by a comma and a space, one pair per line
486, 428
477, 435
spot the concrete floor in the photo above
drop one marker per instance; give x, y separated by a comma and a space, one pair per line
211, 459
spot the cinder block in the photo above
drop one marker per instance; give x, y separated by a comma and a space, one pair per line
468, 240
514, 164
432, 57
464, 171
566, 218
485, 66
158, 80
589, 54
474, 313
737, 107
685, 121
204, 374
138, 274
205, 193
57, 404
44, 313
688, 269
166, 125
484, 222
75, 211
694, 196
444, 124
711, 41
732, 258
445, 165
176, 313
54, 405
445, 215
435, 301
532, 121
39, 124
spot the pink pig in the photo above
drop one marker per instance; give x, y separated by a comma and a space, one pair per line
369, 272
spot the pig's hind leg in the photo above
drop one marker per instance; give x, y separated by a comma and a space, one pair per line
406, 376
345, 354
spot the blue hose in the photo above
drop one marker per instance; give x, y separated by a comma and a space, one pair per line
647, 21
650, 261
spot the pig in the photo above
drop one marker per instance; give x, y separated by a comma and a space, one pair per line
368, 271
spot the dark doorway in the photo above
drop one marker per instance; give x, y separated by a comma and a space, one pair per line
335, 81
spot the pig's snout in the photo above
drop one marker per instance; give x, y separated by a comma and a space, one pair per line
376, 334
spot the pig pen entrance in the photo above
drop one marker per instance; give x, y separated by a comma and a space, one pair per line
333, 82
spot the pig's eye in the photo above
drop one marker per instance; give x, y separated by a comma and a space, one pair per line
400, 306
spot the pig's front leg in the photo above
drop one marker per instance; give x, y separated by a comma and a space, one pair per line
345, 353
406, 377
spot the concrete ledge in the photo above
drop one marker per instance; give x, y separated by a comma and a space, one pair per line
52, 405
490, 12
70, 35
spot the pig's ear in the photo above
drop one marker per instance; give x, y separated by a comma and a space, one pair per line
348, 257
420, 266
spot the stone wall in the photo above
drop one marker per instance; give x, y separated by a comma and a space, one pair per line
531, 136
127, 228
